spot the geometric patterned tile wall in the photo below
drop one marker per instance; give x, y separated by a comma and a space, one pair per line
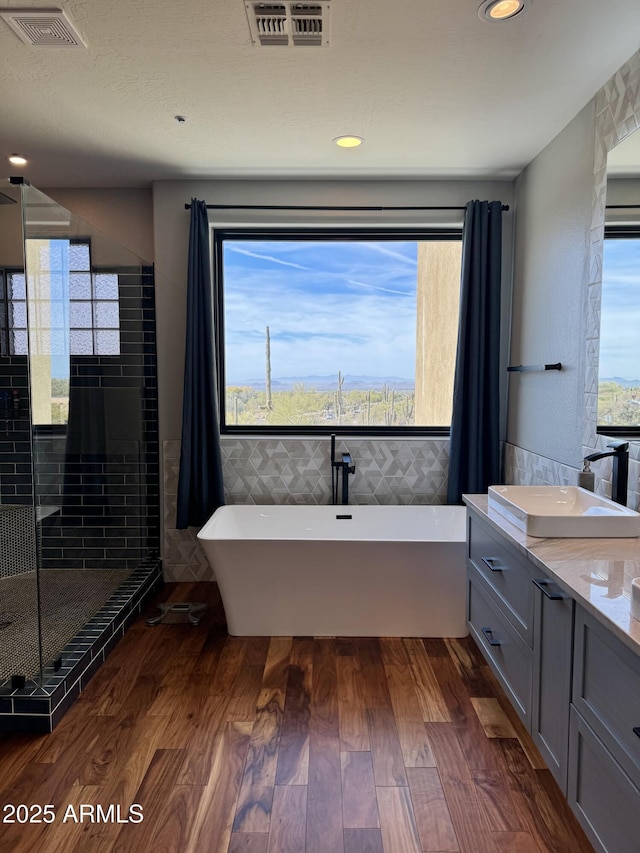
182, 558
523, 468
298, 471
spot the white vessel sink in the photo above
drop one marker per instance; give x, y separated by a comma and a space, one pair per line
563, 512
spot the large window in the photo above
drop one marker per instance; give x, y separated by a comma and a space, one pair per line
619, 365
322, 331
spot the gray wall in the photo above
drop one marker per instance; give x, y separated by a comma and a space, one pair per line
11, 248
124, 215
557, 291
553, 219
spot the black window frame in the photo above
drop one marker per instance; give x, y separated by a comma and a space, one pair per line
619, 232
350, 233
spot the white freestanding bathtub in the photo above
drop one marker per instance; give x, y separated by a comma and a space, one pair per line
346, 571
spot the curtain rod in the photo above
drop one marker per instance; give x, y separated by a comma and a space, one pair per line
322, 207
622, 206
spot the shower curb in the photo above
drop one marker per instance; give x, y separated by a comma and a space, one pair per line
40, 705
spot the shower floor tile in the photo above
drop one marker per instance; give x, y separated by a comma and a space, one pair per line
69, 598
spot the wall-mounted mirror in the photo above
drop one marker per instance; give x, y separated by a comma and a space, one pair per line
619, 357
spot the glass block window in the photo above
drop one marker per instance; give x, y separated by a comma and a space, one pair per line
14, 320
83, 309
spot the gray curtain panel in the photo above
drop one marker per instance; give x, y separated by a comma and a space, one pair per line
474, 462
200, 486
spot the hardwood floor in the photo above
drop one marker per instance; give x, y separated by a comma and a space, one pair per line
283, 745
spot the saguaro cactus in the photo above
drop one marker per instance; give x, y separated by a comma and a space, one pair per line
268, 372
339, 397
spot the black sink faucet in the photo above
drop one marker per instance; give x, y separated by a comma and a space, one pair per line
340, 467
620, 474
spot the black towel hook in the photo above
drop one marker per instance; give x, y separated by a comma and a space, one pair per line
531, 368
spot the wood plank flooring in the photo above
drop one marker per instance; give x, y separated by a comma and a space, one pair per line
284, 745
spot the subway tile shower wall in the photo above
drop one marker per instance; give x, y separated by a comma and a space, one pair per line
16, 483
104, 497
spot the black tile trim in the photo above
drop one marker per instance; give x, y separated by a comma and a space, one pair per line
39, 707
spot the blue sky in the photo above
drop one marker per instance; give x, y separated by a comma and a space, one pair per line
329, 306
620, 320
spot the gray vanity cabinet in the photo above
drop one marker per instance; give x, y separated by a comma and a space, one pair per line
552, 659
524, 624
575, 685
507, 574
500, 611
506, 652
603, 798
604, 753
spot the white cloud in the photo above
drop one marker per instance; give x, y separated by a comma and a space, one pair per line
269, 258
376, 287
381, 249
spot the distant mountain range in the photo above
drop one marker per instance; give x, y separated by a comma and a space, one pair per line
330, 382
626, 383
363, 383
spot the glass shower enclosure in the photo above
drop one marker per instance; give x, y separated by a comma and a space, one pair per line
79, 467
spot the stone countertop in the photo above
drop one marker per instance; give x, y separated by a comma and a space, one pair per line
597, 573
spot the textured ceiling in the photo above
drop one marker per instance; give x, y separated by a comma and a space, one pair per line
435, 91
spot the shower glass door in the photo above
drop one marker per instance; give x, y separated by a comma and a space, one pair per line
19, 613
91, 343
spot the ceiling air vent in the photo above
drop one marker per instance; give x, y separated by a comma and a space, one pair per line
289, 24
43, 27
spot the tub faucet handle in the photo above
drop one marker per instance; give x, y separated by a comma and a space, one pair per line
348, 463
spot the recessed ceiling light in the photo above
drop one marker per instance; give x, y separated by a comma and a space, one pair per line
348, 141
17, 160
501, 10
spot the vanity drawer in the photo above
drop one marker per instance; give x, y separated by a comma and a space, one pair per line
603, 798
504, 649
508, 574
606, 690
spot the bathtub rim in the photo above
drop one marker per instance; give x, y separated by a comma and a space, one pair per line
456, 531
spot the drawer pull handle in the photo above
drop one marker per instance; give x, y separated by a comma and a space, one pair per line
489, 561
636, 731
543, 585
490, 638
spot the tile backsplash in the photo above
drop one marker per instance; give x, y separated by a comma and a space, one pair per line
523, 468
298, 471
